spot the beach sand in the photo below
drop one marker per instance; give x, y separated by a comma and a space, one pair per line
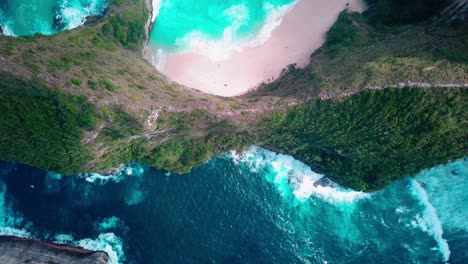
301, 32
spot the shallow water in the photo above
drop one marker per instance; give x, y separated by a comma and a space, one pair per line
28, 17
182, 23
258, 207
215, 29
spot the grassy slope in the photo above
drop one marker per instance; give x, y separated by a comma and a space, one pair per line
102, 62
358, 55
363, 142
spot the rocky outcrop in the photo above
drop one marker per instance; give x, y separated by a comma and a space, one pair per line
14, 250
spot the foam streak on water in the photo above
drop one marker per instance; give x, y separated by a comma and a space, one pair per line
428, 221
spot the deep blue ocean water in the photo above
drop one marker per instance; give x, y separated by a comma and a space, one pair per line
258, 207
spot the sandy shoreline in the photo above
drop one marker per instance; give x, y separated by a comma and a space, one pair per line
301, 32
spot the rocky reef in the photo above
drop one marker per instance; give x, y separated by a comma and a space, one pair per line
22, 250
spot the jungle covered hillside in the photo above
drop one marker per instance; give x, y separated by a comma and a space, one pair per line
86, 100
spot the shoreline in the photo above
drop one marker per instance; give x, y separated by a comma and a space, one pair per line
19, 249
148, 25
301, 31
64, 247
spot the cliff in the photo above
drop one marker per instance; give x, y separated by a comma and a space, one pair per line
86, 101
20, 250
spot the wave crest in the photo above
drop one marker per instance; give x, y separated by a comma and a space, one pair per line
223, 49
428, 221
292, 177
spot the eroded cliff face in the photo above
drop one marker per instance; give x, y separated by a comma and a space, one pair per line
20, 250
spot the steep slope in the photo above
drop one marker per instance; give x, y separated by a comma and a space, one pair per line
85, 100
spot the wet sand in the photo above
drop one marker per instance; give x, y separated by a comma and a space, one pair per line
301, 32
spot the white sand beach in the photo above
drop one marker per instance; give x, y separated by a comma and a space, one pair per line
301, 32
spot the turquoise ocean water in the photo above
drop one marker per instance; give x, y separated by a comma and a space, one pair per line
178, 19
28, 17
214, 29
258, 207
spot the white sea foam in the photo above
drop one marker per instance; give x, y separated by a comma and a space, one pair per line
329, 193
444, 185
159, 59
107, 242
74, 13
7, 31
291, 176
133, 170
63, 239
103, 179
11, 222
6, 25
223, 49
134, 195
428, 221
97, 7
156, 6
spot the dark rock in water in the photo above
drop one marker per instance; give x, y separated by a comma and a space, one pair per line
14, 250
454, 172
58, 23
1, 30
324, 182
91, 19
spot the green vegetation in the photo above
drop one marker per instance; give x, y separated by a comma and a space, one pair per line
342, 34
375, 137
43, 127
398, 12
123, 124
365, 141
184, 146
107, 84
128, 27
76, 82
92, 85
358, 55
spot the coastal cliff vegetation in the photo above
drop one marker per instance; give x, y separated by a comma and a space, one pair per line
85, 100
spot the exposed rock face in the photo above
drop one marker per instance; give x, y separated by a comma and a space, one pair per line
91, 19
15, 250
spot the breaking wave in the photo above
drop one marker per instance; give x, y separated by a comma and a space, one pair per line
232, 42
292, 177
13, 223
108, 242
269, 199
218, 34
131, 170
